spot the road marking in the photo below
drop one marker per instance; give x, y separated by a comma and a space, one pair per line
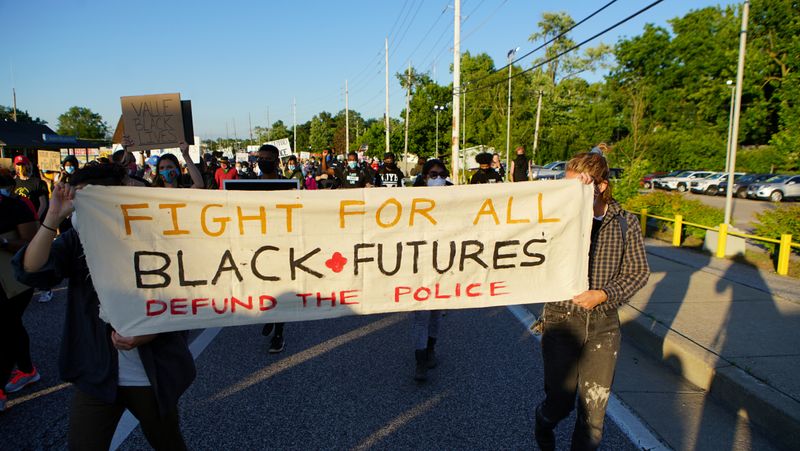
128, 422
630, 423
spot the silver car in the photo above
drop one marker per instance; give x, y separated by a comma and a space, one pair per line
776, 188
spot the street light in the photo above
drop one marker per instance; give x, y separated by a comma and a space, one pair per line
730, 125
510, 56
438, 108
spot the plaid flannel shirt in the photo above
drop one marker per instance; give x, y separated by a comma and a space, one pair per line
617, 266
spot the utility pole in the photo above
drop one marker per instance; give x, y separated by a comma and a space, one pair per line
510, 55
250, 125
536, 130
294, 122
14, 112
737, 109
464, 119
408, 94
456, 91
346, 120
730, 126
269, 127
386, 119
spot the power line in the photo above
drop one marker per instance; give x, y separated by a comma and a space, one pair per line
485, 21
402, 36
427, 33
391, 30
559, 55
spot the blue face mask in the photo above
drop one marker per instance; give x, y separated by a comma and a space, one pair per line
292, 167
352, 164
5, 192
169, 175
69, 169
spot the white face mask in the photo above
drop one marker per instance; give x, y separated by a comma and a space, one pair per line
438, 181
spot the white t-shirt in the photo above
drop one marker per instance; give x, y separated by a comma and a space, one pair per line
131, 370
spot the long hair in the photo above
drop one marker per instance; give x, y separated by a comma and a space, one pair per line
594, 164
159, 180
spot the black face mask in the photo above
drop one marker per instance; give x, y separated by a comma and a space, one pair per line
267, 166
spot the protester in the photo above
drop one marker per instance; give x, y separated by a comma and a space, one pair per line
417, 169
68, 167
268, 160
581, 336
125, 158
18, 224
225, 172
425, 324
485, 174
111, 373
350, 176
294, 171
169, 170
29, 186
389, 175
520, 166
499, 166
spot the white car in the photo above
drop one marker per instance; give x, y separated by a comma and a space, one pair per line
710, 185
776, 188
682, 181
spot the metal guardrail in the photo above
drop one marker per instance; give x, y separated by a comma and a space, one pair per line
785, 242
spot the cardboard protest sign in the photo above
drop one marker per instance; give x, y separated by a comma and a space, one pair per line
153, 121
305, 155
49, 160
7, 163
119, 132
284, 148
187, 259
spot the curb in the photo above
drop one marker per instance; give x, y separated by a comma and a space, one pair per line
746, 396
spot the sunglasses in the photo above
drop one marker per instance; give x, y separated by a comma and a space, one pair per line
436, 174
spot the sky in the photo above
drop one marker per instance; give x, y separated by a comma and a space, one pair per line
241, 62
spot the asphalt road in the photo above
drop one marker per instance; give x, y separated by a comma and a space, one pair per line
339, 384
743, 210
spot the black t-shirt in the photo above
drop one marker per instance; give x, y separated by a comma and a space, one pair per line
485, 176
390, 178
32, 189
352, 178
520, 168
13, 212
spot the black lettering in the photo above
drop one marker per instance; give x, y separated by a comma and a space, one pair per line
357, 258
497, 256
398, 260
471, 255
295, 264
160, 272
226, 263
539, 257
254, 267
436, 257
182, 275
416, 245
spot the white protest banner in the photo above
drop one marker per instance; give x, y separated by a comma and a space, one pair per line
185, 259
284, 148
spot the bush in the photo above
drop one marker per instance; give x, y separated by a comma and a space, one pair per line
774, 223
669, 204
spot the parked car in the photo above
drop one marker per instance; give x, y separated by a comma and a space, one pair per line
657, 180
740, 185
615, 173
710, 185
550, 171
776, 188
681, 181
647, 180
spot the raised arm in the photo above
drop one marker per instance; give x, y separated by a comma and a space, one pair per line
38, 251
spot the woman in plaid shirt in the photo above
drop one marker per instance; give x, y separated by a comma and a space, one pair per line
581, 336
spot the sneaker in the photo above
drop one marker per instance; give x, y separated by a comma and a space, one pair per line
3, 401
45, 297
276, 345
19, 380
267, 329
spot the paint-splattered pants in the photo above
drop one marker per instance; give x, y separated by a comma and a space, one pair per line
579, 349
425, 324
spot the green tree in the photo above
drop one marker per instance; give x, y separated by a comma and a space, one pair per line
7, 114
83, 123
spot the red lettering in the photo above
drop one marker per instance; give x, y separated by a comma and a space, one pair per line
437, 296
469, 292
224, 306
197, 303
345, 295
162, 306
248, 305
305, 297
272, 302
494, 287
399, 291
177, 306
321, 299
427, 292
458, 290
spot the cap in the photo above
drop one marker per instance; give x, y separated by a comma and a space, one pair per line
224, 160
21, 159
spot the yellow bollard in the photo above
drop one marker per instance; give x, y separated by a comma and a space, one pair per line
783, 254
677, 232
643, 222
722, 240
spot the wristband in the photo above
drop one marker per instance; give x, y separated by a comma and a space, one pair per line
49, 228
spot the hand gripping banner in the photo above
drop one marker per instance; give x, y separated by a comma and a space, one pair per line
176, 259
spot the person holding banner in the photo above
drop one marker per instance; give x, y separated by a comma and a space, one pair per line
169, 170
581, 336
18, 224
433, 173
144, 374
